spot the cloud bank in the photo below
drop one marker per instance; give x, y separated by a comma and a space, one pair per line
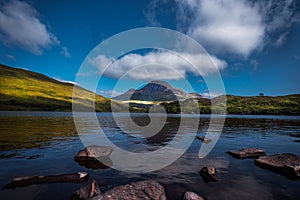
20, 26
157, 65
236, 27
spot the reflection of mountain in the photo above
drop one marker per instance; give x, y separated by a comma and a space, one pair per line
156, 91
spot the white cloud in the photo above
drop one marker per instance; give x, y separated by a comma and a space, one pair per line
65, 52
109, 93
234, 26
281, 39
225, 25
65, 81
212, 94
150, 13
254, 64
11, 57
157, 66
20, 26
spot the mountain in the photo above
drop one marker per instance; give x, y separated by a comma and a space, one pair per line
26, 90
156, 91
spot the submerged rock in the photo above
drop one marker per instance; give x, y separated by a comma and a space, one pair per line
94, 157
191, 196
247, 153
204, 139
77, 177
297, 135
87, 192
150, 190
209, 174
286, 164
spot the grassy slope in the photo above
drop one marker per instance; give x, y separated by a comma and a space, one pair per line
280, 105
25, 90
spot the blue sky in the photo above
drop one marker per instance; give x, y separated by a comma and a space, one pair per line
255, 42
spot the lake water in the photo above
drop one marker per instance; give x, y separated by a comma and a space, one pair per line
44, 143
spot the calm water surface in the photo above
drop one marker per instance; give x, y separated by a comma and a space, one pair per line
44, 143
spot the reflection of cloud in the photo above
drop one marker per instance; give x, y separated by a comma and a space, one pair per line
158, 65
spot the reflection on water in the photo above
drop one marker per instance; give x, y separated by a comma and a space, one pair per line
37, 143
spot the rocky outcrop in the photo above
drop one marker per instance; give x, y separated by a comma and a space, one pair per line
78, 177
94, 157
148, 190
247, 153
209, 174
87, 192
286, 164
191, 196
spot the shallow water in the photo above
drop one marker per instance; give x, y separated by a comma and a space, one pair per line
41, 143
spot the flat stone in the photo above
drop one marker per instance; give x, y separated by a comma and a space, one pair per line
286, 164
209, 174
191, 196
146, 190
93, 152
87, 192
77, 177
247, 153
94, 157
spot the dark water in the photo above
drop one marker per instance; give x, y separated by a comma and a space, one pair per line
37, 143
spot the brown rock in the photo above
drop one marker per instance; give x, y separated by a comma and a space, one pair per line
191, 196
247, 153
93, 152
146, 190
77, 177
94, 157
204, 139
286, 164
209, 174
87, 192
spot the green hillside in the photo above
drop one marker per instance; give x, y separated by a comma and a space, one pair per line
25, 90
280, 105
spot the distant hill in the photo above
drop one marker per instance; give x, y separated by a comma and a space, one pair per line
26, 90
279, 105
156, 91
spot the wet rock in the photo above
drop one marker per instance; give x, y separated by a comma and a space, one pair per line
148, 190
247, 153
286, 164
87, 192
191, 196
78, 177
94, 157
209, 174
204, 139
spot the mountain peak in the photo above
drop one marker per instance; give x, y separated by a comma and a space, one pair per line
156, 91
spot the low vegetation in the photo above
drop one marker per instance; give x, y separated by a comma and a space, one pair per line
25, 90
280, 105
